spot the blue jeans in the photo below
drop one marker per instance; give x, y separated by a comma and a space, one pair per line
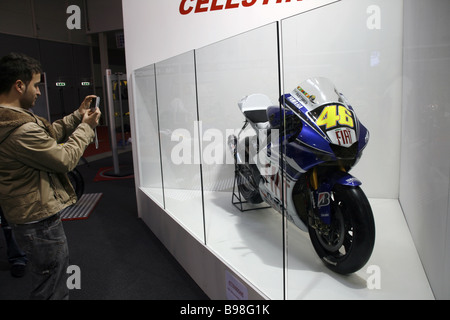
45, 245
15, 255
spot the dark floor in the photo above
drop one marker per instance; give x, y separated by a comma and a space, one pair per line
118, 255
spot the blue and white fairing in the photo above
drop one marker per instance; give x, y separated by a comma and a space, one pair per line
328, 130
321, 129
316, 130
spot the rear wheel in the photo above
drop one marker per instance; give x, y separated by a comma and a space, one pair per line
345, 245
247, 184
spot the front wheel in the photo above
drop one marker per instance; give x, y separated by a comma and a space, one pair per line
345, 245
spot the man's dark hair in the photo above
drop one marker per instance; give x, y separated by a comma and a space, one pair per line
17, 66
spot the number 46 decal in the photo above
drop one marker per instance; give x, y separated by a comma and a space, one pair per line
333, 114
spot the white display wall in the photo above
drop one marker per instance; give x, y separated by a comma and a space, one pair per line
425, 164
155, 30
356, 43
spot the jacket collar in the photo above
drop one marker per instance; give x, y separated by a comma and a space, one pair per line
14, 117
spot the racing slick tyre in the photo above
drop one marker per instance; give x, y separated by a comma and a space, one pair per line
345, 245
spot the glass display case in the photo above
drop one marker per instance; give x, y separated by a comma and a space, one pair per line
148, 145
187, 108
360, 52
228, 71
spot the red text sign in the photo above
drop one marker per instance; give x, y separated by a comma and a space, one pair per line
198, 6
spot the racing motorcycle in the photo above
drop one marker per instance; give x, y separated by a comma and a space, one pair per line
296, 157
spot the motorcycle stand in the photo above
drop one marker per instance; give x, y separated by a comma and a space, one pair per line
239, 204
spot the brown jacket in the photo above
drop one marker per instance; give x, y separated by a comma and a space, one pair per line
34, 163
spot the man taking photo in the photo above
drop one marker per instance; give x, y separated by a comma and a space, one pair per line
35, 157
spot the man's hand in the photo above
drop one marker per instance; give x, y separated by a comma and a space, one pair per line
86, 104
91, 117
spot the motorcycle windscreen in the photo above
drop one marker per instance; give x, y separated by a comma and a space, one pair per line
315, 92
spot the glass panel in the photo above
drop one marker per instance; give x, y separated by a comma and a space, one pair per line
357, 46
147, 142
228, 71
425, 165
177, 106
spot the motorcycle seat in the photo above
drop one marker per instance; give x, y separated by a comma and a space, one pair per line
254, 107
258, 118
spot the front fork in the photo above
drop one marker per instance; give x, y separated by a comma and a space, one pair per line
321, 190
